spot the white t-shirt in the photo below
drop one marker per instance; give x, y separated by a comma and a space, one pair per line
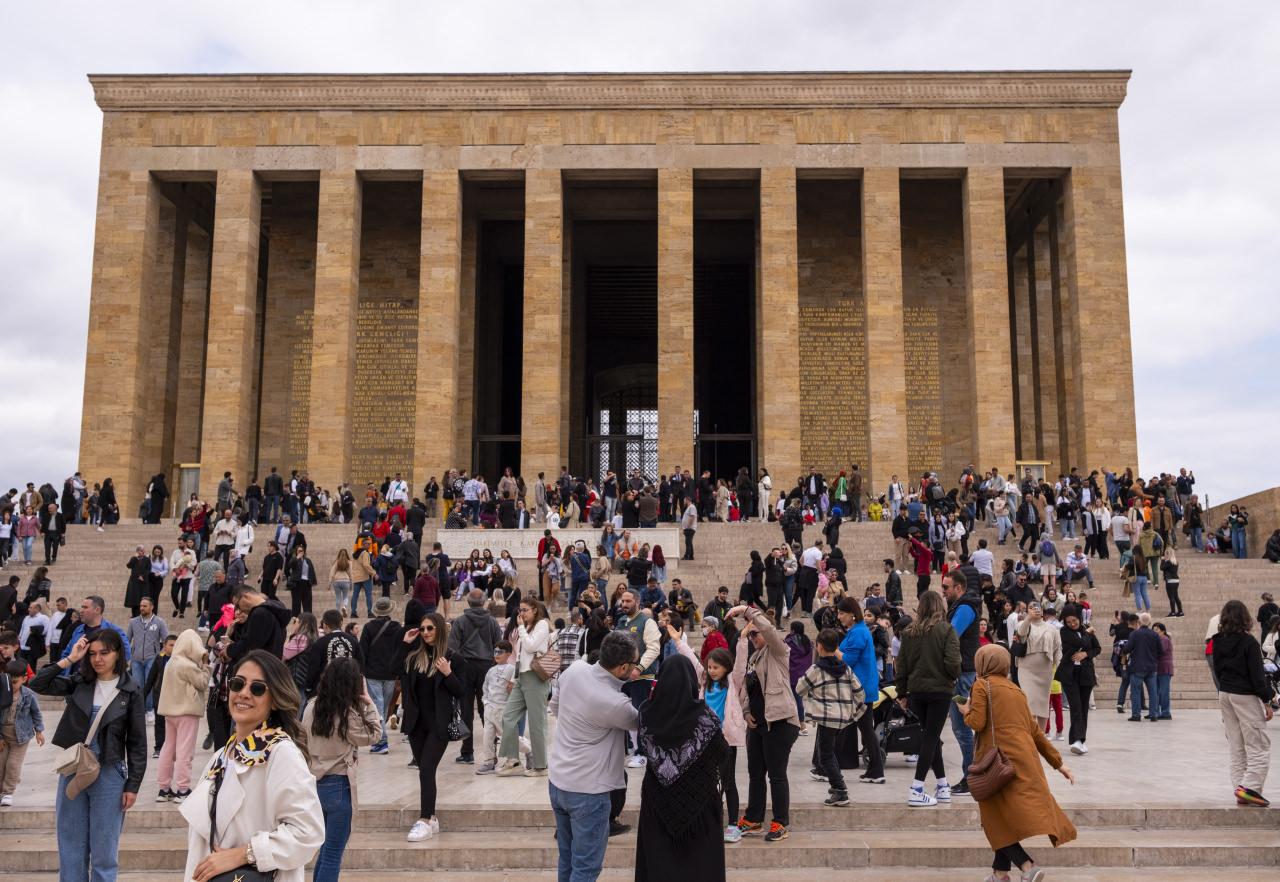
984, 561
1119, 529
102, 689
810, 557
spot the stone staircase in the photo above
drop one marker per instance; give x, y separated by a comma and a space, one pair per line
94, 563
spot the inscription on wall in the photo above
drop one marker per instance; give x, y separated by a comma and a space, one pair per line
299, 389
924, 402
833, 386
383, 410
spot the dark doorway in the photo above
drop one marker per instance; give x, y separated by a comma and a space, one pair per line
499, 352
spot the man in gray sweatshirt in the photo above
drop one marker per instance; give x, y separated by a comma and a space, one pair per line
587, 754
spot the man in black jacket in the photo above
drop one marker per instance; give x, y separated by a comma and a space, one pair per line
264, 627
272, 569
272, 489
379, 642
53, 526
335, 643
892, 583
471, 639
1144, 658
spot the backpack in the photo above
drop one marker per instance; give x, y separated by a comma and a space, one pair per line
1157, 543
1047, 549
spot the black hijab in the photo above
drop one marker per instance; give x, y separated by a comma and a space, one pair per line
672, 709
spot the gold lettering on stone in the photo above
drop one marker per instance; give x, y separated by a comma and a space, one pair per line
299, 388
385, 383
924, 399
833, 385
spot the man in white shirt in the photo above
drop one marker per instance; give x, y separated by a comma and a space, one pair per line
1078, 566
689, 524
983, 560
398, 491
807, 577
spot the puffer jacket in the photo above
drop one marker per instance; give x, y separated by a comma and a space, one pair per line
186, 679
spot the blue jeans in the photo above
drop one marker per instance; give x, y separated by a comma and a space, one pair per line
335, 801
254, 505
367, 586
1136, 684
139, 671
1140, 598
89, 828
964, 735
789, 590
381, 691
1163, 682
582, 833
1238, 542
29, 542
575, 589
1006, 527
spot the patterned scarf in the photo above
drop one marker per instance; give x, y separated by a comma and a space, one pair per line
252, 751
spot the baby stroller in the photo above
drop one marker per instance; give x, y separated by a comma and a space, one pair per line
899, 730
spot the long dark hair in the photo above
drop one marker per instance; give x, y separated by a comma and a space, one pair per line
285, 698
341, 686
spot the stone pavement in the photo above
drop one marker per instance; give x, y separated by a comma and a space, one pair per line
1149, 797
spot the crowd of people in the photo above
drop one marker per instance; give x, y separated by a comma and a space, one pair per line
291, 701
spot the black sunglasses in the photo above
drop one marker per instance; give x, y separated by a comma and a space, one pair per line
256, 688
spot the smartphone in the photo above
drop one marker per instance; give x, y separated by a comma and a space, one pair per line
959, 699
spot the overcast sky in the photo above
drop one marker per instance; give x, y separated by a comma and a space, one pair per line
1198, 131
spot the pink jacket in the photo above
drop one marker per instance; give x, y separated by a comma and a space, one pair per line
735, 724
28, 525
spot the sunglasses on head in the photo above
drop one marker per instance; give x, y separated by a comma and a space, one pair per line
256, 687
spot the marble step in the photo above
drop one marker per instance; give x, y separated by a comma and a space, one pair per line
33, 851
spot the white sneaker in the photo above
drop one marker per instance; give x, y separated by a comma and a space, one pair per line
420, 831
509, 768
1079, 749
635, 761
435, 826
942, 794
1057, 737
732, 833
151, 718
920, 799
100, 530
6, 801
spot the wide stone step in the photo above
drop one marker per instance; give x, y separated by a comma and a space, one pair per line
863, 874
1115, 847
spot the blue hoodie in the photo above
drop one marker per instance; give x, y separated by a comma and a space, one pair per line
859, 652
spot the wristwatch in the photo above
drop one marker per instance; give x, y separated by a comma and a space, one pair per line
248, 854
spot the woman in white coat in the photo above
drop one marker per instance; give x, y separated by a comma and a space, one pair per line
1043, 644
256, 802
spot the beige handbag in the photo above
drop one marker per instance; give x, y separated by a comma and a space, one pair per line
78, 762
546, 665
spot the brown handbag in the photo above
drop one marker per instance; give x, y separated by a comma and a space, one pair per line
989, 775
546, 665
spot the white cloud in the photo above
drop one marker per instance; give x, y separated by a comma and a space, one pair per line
1197, 139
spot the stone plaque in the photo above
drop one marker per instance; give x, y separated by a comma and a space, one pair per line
833, 386
924, 403
385, 398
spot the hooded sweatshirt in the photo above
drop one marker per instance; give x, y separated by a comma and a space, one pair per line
264, 629
1237, 660
186, 680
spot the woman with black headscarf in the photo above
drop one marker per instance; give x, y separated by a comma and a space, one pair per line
681, 827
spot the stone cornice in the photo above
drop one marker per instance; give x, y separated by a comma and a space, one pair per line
666, 91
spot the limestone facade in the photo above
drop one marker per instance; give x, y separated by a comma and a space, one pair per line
940, 257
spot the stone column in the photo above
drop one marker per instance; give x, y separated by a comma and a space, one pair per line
1023, 373
1101, 359
333, 347
1048, 339
882, 294
987, 302
675, 317
541, 394
464, 438
435, 448
230, 408
195, 315
126, 236
778, 329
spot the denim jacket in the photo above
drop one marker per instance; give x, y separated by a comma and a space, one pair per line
27, 720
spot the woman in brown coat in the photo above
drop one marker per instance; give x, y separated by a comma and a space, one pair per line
1024, 807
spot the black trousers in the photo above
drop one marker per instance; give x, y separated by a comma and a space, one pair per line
1009, 857
300, 592
1175, 602
729, 784
922, 584
409, 575
867, 731
807, 582
932, 709
688, 544
154, 586
223, 553
180, 594
428, 749
472, 672
777, 600
768, 750
1077, 698
827, 762
50, 547
159, 730
1030, 533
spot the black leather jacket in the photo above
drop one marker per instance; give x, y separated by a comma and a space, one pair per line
122, 735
